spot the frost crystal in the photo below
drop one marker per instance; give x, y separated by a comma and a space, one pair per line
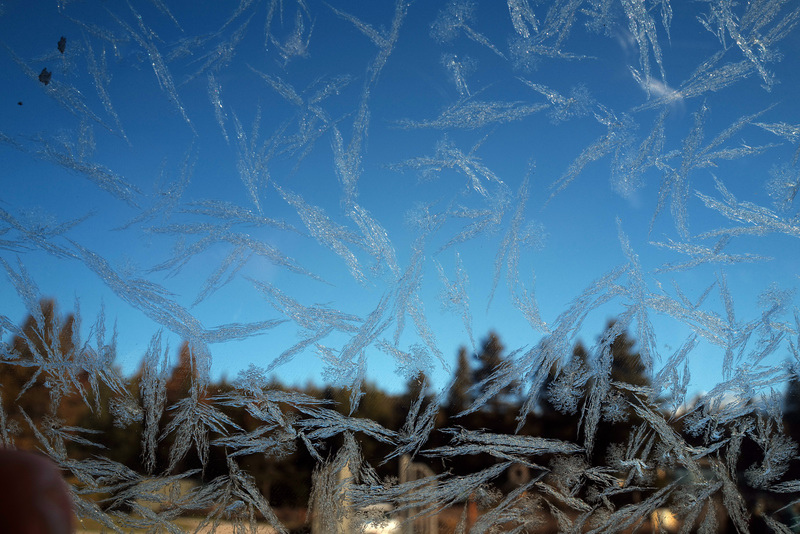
325, 200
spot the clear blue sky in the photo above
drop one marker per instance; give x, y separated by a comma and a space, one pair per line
138, 101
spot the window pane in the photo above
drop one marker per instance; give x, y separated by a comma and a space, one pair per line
428, 266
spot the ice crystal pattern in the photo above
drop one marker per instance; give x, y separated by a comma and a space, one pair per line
357, 189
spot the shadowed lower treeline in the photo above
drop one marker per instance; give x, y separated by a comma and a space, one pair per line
59, 399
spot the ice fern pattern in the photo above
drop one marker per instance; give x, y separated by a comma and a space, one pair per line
250, 237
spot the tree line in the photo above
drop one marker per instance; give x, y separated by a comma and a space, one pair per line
36, 395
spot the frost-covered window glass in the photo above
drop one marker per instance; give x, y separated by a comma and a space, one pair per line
404, 266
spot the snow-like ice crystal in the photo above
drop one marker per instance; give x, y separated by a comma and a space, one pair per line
302, 186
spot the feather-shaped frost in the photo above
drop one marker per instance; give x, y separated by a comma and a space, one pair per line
101, 79
147, 40
192, 420
522, 17
215, 97
695, 457
616, 138
328, 233
103, 177
455, 296
515, 448
458, 17
473, 114
757, 220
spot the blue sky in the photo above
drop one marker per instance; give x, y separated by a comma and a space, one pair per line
574, 234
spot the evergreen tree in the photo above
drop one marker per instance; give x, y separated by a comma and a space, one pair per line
626, 364
414, 386
183, 374
489, 360
791, 407
626, 370
618, 421
565, 412
791, 419
563, 395
178, 387
459, 397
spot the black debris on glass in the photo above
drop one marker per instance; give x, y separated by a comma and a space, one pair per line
62, 44
45, 76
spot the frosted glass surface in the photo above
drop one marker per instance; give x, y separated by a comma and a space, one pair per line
301, 266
